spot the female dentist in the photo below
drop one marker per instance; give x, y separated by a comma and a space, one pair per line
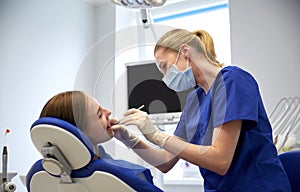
223, 129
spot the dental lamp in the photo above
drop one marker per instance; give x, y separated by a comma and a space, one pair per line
143, 5
139, 4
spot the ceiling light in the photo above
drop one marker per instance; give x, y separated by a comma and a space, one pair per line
139, 4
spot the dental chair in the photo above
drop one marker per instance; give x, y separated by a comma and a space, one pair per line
291, 163
68, 165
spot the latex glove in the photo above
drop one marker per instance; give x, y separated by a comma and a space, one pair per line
289, 143
126, 137
143, 122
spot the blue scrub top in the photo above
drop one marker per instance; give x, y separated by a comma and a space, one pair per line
255, 165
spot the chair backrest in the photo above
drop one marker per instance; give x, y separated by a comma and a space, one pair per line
68, 164
291, 163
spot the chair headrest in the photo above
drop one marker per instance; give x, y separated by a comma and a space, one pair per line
76, 147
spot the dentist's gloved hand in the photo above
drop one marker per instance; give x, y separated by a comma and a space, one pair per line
123, 135
143, 122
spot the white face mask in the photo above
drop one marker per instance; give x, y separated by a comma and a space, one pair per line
179, 81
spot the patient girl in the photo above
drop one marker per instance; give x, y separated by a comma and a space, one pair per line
84, 112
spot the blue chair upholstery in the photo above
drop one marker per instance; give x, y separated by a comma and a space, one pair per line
86, 174
291, 163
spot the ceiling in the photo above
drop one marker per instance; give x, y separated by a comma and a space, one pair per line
98, 2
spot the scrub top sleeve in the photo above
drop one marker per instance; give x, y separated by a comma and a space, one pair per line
180, 129
236, 97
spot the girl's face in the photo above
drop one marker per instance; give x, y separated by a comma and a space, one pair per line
98, 122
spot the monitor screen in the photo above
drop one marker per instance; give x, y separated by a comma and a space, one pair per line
145, 87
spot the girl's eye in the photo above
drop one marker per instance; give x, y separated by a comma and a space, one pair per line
100, 115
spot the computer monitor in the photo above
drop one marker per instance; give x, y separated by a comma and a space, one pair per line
145, 87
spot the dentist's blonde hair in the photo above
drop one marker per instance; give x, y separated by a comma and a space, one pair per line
208, 43
200, 40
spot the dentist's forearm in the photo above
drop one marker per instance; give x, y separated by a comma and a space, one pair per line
159, 158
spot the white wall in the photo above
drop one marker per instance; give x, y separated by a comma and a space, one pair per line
265, 41
96, 72
103, 50
42, 46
